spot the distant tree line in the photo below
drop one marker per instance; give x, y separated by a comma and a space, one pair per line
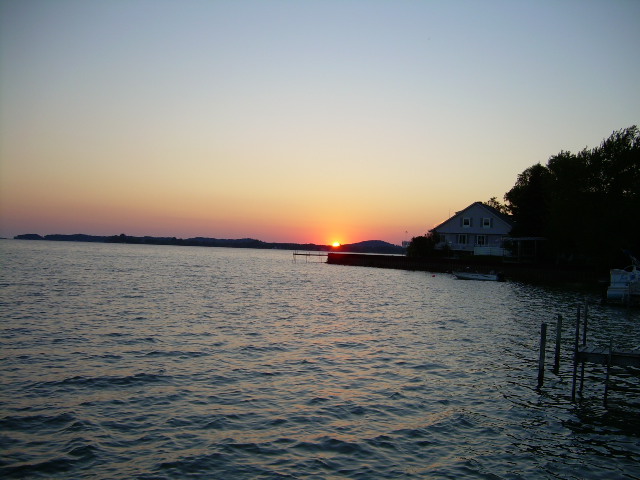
367, 246
586, 205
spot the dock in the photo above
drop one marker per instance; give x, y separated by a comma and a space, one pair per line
607, 356
315, 257
585, 354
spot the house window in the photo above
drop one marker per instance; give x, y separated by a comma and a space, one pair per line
466, 222
481, 240
487, 222
462, 239
442, 238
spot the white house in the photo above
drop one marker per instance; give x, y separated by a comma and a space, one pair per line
478, 229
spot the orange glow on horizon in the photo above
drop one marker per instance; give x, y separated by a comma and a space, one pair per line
335, 244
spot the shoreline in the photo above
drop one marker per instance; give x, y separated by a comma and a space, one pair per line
537, 273
367, 246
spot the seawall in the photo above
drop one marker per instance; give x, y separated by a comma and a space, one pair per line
514, 271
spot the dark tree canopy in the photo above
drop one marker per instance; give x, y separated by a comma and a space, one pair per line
528, 201
493, 202
422, 246
586, 204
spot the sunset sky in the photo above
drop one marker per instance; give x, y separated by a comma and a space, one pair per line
303, 121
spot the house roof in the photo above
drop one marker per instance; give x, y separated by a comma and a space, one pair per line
505, 218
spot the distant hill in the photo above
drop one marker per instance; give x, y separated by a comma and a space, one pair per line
372, 246
368, 246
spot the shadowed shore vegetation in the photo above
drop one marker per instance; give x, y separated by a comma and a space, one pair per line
586, 205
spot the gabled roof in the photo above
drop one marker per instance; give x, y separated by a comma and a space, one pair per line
505, 218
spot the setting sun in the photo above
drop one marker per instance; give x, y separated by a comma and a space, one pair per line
335, 244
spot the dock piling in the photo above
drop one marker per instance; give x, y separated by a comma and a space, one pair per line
583, 354
606, 380
584, 328
575, 356
543, 345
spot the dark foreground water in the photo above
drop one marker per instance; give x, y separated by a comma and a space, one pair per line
122, 361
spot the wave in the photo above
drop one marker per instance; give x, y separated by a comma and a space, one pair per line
103, 382
176, 353
36, 422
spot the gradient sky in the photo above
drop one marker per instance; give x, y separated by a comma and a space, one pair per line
304, 121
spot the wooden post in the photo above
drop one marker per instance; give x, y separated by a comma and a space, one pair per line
584, 344
556, 363
584, 328
606, 380
575, 356
543, 345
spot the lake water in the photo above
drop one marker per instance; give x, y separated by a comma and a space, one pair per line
153, 362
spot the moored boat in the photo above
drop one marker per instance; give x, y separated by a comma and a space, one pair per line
492, 276
624, 285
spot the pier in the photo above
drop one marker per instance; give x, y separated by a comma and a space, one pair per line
584, 354
315, 257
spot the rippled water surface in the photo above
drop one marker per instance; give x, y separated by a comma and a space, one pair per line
151, 362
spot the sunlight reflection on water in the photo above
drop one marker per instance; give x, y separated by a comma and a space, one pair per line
159, 362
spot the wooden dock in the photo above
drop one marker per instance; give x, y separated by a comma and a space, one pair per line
583, 354
315, 257
606, 356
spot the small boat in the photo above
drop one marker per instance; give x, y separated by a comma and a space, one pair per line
492, 276
624, 285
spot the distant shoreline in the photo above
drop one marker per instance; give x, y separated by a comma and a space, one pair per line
369, 246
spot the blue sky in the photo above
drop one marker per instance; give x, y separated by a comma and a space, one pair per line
303, 121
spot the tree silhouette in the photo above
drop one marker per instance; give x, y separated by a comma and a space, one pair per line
587, 204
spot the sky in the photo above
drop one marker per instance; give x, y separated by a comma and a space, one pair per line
296, 121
